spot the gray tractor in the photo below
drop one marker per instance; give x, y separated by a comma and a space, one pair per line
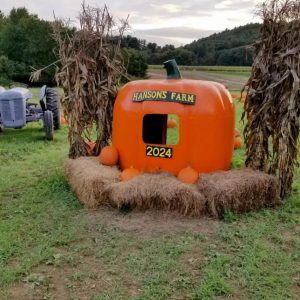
16, 111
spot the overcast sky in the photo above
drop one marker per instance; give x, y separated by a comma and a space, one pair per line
164, 22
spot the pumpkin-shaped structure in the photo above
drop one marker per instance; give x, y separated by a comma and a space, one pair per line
205, 114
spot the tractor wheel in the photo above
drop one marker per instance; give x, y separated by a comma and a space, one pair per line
1, 128
52, 104
48, 125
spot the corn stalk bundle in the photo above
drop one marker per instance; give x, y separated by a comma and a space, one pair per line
90, 69
272, 104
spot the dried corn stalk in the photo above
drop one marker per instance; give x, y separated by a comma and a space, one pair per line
90, 69
272, 105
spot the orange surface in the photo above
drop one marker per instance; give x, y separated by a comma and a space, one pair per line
206, 128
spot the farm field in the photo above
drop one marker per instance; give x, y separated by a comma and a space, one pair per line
232, 77
51, 247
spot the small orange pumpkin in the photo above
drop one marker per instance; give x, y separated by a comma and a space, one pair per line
171, 123
90, 146
237, 132
188, 175
129, 173
109, 156
63, 120
238, 142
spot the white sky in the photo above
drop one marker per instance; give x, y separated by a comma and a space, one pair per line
164, 22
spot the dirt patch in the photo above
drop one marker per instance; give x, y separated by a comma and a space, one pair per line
152, 222
193, 259
63, 282
20, 291
290, 238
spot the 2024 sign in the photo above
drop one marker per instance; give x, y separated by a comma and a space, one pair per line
156, 151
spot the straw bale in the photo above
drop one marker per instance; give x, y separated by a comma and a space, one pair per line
88, 178
157, 191
238, 191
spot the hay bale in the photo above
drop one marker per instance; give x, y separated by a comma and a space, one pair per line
88, 179
238, 191
157, 191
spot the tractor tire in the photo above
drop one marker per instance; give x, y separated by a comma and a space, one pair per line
48, 125
1, 128
52, 104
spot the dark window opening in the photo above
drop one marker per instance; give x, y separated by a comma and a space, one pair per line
156, 130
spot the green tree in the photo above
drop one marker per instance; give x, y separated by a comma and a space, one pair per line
135, 63
6, 70
27, 40
226, 47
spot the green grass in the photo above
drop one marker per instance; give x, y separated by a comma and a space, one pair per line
209, 68
232, 77
53, 248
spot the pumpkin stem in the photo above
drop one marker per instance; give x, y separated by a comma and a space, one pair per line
172, 69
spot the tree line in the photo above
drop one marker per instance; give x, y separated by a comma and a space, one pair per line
227, 48
26, 43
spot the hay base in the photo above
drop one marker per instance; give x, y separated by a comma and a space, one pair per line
158, 191
89, 179
236, 190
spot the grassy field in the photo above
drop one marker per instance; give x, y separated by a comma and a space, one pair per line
232, 77
210, 68
53, 248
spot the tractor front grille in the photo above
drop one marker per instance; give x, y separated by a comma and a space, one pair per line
6, 113
18, 110
13, 111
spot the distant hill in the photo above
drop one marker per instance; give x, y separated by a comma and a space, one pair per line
229, 47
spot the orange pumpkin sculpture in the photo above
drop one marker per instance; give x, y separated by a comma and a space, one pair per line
109, 156
205, 114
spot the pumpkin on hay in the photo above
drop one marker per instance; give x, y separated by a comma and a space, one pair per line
129, 173
109, 156
171, 123
188, 175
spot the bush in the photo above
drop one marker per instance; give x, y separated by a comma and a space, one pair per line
26, 42
135, 63
6, 70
